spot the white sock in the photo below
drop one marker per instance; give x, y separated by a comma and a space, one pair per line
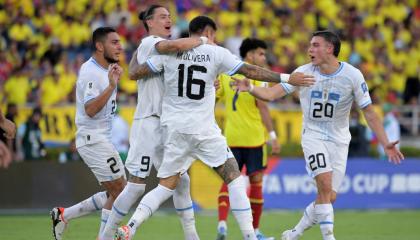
104, 219
324, 214
121, 206
87, 206
241, 208
222, 224
307, 220
184, 208
148, 205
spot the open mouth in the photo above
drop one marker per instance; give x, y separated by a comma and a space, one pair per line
168, 28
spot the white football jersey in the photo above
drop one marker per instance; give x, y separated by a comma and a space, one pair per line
189, 96
326, 105
91, 82
149, 89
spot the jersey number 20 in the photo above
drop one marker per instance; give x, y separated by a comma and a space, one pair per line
190, 81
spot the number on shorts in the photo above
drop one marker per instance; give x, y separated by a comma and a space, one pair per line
145, 161
113, 165
317, 161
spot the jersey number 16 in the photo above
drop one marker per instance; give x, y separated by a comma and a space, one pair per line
190, 81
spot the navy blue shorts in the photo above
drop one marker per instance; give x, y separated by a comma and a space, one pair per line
252, 158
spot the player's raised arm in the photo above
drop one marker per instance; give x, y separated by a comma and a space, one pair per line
92, 107
262, 93
394, 155
179, 45
261, 74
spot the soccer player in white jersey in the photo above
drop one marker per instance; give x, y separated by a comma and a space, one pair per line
146, 146
325, 137
189, 128
96, 90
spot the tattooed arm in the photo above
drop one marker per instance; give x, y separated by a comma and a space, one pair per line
261, 74
137, 71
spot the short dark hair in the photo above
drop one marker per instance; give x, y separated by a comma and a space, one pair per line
99, 35
331, 38
250, 44
148, 14
198, 24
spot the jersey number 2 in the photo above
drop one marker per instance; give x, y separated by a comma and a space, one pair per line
190, 81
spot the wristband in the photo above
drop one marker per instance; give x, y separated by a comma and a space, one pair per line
204, 40
251, 87
284, 77
273, 135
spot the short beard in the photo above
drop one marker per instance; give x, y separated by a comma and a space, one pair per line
109, 59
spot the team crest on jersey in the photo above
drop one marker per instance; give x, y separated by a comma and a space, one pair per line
364, 87
90, 85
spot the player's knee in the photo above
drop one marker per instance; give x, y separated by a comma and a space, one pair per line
256, 178
170, 182
324, 185
137, 180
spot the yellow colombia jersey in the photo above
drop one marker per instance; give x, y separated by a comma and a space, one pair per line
243, 126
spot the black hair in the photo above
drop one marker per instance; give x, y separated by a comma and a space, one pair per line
198, 24
250, 44
99, 35
331, 38
148, 14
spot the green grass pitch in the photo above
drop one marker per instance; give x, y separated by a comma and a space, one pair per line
349, 225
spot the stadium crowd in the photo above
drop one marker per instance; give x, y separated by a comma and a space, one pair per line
43, 43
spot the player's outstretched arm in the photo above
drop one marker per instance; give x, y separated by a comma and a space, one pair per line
262, 93
179, 45
261, 74
8, 126
137, 71
394, 155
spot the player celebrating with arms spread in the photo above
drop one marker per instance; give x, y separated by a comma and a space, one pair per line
326, 136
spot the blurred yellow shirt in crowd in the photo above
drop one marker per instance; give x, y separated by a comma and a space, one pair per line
17, 89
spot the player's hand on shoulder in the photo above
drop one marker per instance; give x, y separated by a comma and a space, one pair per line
242, 85
301, 79
394, 155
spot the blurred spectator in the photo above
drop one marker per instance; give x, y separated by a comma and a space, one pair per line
71, 154
29, 137
114, 19
359, 145
391, 126
232, 43
120, 135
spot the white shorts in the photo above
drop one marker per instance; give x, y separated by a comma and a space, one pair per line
146, 147
325, 156
182, 149
104, 161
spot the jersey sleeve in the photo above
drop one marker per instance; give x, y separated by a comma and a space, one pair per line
361, 91
156, 62
90, 86
147, 43
288, 87
228, 63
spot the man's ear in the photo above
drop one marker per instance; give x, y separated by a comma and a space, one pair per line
99, 46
